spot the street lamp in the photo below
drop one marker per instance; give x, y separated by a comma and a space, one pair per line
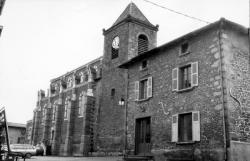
122, 103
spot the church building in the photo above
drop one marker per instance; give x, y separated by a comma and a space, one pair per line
188, 99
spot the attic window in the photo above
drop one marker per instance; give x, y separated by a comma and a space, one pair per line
142, 44
184, 48
144, 64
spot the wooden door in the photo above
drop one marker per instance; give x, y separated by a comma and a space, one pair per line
143, 136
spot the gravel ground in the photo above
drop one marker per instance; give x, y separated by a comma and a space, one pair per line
45, 158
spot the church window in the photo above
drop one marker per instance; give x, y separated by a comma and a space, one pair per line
142, 44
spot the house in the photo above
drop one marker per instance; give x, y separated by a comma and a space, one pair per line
185, 100
189, 98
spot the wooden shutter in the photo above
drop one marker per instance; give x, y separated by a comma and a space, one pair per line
149, 87
175, 79
137, 90
196, 125
175, 128
194, 74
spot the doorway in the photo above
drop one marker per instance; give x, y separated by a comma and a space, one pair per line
142, 136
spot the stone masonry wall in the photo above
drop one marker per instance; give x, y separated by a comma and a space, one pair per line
206, 98
236, 59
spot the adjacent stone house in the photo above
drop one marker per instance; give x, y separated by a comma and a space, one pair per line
189, 99
185, 100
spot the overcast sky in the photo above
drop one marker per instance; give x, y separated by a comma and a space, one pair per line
43, 39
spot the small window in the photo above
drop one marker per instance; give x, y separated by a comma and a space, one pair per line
184, 48
185, 77
142, 44
112, 92
144, 64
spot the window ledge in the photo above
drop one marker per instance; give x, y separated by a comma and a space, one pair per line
142, 100
185, 142
80, 116
186, 89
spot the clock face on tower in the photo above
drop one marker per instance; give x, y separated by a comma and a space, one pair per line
115, 42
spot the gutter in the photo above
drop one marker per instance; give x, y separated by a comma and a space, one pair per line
222, 83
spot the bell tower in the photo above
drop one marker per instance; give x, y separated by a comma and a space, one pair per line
131, 34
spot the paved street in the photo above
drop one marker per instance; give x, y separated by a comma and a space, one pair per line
45, 158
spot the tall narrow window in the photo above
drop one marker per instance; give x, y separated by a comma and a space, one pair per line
142, 44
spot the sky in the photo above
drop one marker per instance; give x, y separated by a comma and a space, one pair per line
43, 39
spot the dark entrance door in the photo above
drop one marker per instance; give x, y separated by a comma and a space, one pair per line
142, 137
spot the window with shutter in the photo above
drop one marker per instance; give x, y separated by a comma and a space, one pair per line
175, 79
175, 128
196, 125
194, 74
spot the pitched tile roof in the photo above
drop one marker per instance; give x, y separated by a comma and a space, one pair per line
132, 11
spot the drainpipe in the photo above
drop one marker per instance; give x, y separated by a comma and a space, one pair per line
222, 80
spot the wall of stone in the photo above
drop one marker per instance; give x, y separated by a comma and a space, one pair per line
235, 46
206, 98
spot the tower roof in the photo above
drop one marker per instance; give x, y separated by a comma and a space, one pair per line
132, 11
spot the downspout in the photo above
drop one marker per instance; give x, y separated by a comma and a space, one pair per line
223, 95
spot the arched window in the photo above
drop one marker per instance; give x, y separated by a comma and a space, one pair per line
82, 101
81, 77
142, 44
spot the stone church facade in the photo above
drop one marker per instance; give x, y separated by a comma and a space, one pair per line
187, 99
